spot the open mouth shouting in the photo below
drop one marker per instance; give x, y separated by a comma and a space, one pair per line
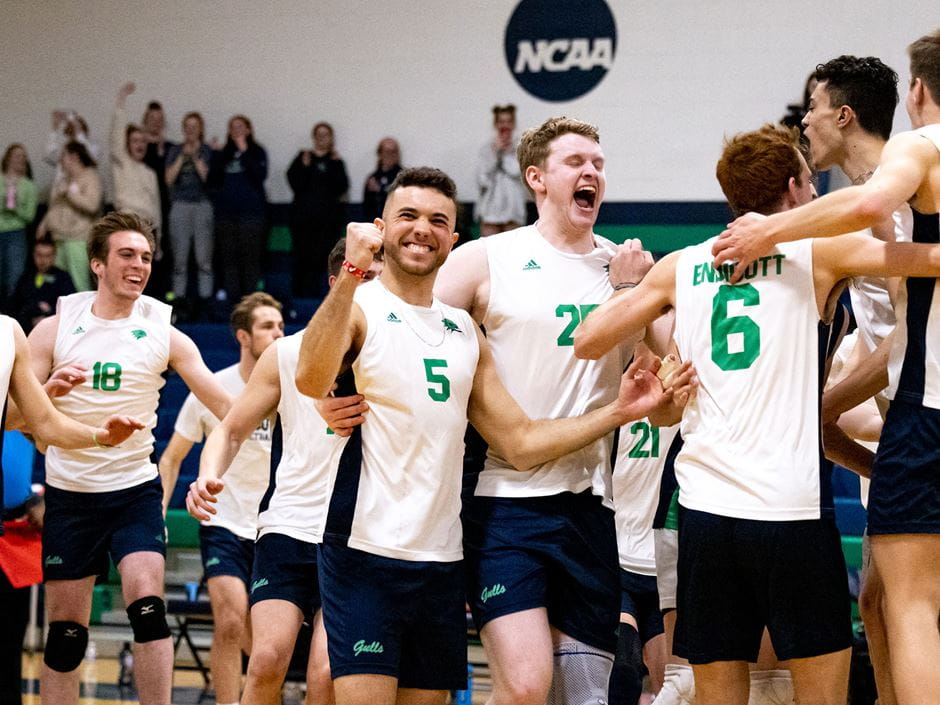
585, 197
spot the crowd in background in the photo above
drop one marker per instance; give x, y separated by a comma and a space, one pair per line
207, 202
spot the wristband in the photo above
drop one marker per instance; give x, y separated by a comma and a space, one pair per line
353, 269
624, 285
98, 444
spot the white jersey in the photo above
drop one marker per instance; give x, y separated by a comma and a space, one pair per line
397, 491
538, 296
914, 364
247, 476
7, 358
871, 303
305, 457
641, 452
752, 436
125, 359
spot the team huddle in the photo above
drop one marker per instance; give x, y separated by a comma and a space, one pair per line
656, 492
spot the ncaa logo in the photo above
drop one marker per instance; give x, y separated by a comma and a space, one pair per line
560, 49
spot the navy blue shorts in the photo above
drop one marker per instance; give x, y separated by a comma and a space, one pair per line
640, 599
557, 552
224, 553
82, 530
905, 482
737, 576
285, 568
405, 619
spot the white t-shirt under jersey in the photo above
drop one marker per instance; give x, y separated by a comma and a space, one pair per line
125, 359
416, 368
296, 502
641, 452
752, 435
247, 476
538, 296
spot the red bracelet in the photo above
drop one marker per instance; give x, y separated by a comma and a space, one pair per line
353, 269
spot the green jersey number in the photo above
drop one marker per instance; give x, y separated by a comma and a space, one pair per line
575, 314
745, 330
442, 392
106, 376
647, 446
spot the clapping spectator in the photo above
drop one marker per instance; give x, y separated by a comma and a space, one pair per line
135, 184
154, 125
16, 214
376, 188
39, 287
501, 205
73, 206
191, 217
68, 126
318, 179
237, 177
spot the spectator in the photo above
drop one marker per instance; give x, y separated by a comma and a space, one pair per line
16, 214
154, 124
67, 126
191, 215
237, 176
73, 207
501, 205
39, 287
376, 188
319, 182
135, 184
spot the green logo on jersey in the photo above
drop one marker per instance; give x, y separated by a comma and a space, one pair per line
78, 330
530, 265
138, 334
54, 560
259, 583
392, 318
330, 431
495, 591
213, 561
450, 326
361, 647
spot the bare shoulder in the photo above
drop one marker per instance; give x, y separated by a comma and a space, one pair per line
42, 336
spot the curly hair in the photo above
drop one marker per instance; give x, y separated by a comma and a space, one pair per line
867, 86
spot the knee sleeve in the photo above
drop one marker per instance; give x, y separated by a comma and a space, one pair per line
65, 646
626, 677
148, 619
771, 688
580, 676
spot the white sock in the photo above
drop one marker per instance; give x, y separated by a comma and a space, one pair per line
678, 686
771, 688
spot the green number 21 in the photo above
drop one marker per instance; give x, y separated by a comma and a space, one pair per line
648, 435
724, 326
106, 376
442, 393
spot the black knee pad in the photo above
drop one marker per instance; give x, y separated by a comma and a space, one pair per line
65, 646
148, 619
626, 678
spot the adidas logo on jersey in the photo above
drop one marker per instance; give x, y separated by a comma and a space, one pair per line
78, 330
530, 265
392, 318
138, 334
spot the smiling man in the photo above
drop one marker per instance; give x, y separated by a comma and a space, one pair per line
547, 535
391, 573
108, 349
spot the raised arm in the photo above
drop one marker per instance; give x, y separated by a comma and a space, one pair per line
257, 402
628, 311
904, 164
117, 140
186, 360
464, 279
526, 442
337, 330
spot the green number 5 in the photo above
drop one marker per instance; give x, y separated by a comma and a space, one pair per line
443, 392
745, 330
